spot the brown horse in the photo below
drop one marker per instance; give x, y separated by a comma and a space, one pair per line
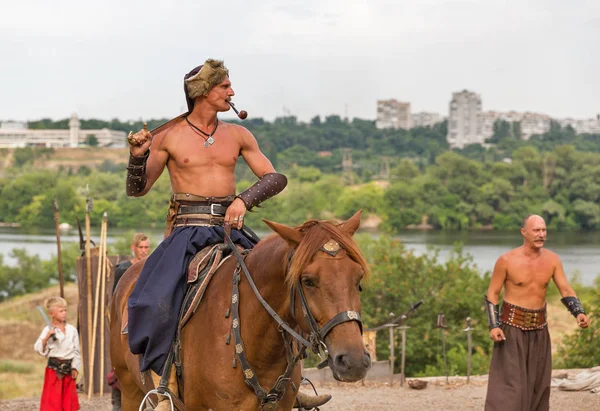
295, 264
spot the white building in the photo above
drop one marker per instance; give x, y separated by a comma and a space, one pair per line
393, 114
426, 119
582, 126
465, 120
536, 123
13, 134
531, 123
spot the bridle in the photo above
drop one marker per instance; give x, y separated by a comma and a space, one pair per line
316, 337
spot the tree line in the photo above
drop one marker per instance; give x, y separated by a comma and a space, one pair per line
423, 183
453, 193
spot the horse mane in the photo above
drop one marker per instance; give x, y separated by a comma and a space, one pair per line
316, 234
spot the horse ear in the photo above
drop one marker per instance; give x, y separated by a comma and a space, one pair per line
287, 233
351, 225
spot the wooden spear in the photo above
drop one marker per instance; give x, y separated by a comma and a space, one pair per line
59, 253
96, 306
88, 267
104, 259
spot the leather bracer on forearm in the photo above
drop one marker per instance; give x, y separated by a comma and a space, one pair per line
136, 174
493, 313
268, 186
574, 305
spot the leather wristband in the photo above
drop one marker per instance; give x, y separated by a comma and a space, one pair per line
136, 174
574, 305
493, 312
268, 186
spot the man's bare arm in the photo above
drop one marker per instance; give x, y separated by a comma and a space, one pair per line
269, 183
569, 299
154, 166
256, 160
492, 297
497, 280
560, 279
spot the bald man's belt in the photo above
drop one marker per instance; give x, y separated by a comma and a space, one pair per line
523, 318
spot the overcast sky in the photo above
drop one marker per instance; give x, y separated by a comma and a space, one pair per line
126, 59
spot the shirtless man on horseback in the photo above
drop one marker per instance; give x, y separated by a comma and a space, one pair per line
200, 153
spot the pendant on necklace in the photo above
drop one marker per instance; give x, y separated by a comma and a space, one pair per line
209, 141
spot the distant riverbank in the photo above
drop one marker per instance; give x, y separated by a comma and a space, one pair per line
578, 250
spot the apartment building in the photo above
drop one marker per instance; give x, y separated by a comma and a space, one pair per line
393, 114
465, 119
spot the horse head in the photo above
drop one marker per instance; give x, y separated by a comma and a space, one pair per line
324, 269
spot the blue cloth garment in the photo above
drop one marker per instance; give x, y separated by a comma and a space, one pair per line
156, 299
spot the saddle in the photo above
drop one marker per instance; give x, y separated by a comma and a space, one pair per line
200, 271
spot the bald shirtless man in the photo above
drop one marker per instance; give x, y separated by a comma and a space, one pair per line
521, 365
200, 152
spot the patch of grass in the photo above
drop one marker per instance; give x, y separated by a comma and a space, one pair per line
16, 367
22, 385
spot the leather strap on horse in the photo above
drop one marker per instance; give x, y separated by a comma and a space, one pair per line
270, 400
317, 336
270, 310
164, 379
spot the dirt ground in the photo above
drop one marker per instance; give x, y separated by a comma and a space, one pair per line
381, 397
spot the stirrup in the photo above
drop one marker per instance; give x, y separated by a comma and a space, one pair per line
147, 399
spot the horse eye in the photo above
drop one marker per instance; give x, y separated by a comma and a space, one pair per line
360, 288
308, 282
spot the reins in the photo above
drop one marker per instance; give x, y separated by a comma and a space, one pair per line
270, 400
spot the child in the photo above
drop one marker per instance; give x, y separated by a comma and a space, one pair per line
60, 343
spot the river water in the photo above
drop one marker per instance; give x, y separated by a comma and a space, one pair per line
578, 251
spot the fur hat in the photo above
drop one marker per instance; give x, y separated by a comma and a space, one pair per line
202, 79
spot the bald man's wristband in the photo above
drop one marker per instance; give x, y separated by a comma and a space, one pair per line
136, 174
574, 305
493, 313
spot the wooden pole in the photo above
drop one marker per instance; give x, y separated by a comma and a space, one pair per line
403, 360
444, 351
104, 262
391, 326
441, 324
88, 267
469, 348
96, 307
59, 253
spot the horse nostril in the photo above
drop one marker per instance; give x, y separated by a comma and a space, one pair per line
367, 360
341, 362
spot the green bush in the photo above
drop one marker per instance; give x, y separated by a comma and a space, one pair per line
582, 348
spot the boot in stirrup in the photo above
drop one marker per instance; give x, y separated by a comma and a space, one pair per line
309, 402
163, 401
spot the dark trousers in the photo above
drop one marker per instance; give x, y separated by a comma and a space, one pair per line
520, 371
156, 299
